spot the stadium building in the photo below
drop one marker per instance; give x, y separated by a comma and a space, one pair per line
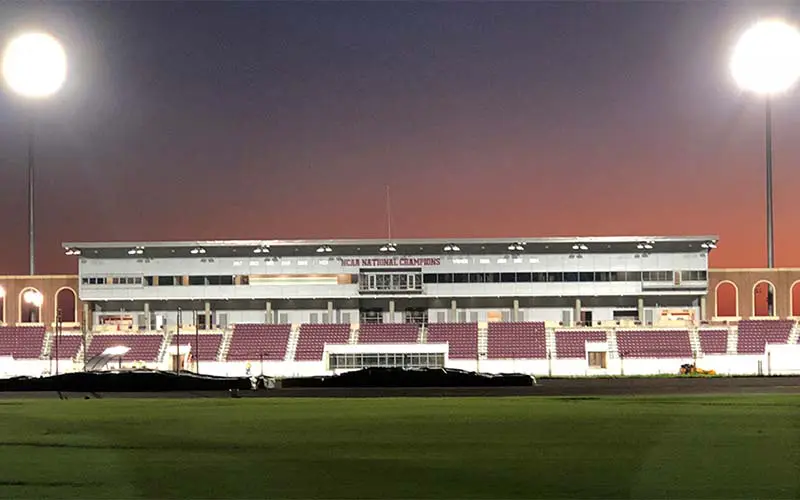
548, 306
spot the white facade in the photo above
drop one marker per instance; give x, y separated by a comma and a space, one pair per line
563, 280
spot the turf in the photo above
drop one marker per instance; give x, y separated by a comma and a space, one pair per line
693, 447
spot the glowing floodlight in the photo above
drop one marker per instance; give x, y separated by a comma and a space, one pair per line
35, 65
33, 297
766, 60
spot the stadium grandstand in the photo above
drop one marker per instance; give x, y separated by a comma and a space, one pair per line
546, 306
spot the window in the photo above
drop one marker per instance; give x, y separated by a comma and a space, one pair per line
585, 277
197, 280
597, 360
429, 278
694, 275
166, 281
555, 277
476, 278
244, 279
657, 276
570, 277
401, 281
508, 277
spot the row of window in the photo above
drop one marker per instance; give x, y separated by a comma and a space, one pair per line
414, 281
389, 360
566, 277
167, 280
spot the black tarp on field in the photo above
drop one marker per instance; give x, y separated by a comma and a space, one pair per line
124, 381
402, 377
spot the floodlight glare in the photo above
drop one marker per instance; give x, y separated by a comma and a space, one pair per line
34, 65
766, 59
33, 297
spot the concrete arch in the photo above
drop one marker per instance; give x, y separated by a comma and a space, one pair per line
735, 299
794, 306
67, 316
24, 309
770, 310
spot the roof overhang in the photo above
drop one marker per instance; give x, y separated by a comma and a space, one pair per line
344, 247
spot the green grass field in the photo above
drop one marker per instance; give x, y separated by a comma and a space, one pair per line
659, 447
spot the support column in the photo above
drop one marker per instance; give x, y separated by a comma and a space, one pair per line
640, 309
703, 309
576, 316
330, 312
391, 311
97, 308
87, 319
146, 318
453, 311
207, 314
270, 320
515, 311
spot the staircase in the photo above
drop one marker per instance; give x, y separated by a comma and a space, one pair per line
47, 345
354, 331
291, 347
793, 336
694, 342
613, 348
165, 343
225, 345
80, 357
483, 340
733, 339
423, 334
550, 342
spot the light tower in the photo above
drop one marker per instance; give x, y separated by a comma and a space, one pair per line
766, 61
34, 67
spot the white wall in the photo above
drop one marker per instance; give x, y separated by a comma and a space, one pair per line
589, 262
781, 364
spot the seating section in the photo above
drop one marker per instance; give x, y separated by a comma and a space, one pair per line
754, 335
714, 341
68, 346
251, 341
388, 333
143, 346
22, 342
208, 346
572, 344
312, 340
654, 344
517, 340
462, 338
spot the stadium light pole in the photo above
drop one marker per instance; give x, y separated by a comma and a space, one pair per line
766, 61
34, 67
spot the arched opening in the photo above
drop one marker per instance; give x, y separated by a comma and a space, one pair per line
67, 303
794, 299
763, 298
30, 305
726, 299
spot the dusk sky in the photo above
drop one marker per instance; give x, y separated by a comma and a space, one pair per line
185, 121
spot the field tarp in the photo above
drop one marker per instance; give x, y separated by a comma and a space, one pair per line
124, 381
402, 377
